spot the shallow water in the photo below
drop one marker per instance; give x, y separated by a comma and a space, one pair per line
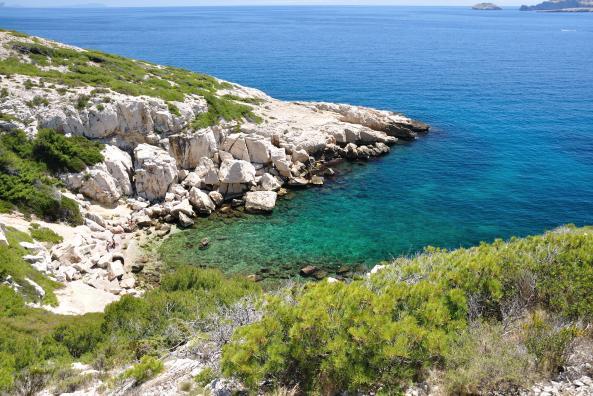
509, 95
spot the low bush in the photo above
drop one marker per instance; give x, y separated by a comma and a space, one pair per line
12, 264
148, 367
482, 360
384, 332
43, 234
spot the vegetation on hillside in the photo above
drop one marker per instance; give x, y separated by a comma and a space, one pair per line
494, 317
37, 347
126, 76
28, 166
431, 311
13, 265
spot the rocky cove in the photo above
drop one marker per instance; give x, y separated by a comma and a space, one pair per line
161, 170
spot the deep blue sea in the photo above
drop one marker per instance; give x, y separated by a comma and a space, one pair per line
509, 95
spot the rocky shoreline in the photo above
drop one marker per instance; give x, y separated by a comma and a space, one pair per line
159, 171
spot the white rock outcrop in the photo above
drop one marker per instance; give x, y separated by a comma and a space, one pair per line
156, 171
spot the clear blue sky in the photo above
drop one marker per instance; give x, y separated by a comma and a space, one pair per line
146, 3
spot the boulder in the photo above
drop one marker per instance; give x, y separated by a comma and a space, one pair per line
300, 156
201, 201
185, 221
119, 165
216, 197
259, 151
183, 207
237, 147
308, 270
269, 183
115, 269
189, 149
192, 180
236, 171
95, 183
260, 201
156, 171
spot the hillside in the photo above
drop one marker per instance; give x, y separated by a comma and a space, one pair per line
561, 6
101, 157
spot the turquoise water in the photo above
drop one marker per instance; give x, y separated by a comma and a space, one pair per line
509, 96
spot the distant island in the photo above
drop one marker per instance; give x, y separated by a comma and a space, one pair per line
561, 6
486, 7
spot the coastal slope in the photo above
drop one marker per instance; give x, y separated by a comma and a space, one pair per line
139, 146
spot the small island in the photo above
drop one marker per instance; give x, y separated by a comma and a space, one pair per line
486, 7
561, 6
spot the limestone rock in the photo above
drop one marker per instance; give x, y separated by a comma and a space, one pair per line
115, 269
119, 165
183, 207
216, 197
185, 221
236, 171
156, 171
189, 149
201, 201
269, 183
3, 240
260, 201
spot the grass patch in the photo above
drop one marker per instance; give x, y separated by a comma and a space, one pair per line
12, 264
43, 234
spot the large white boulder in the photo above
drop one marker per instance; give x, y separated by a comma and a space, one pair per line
189, 149
260, 201
269, 183
236, 171
259, 150
201, 201
119, 165
95, 183
236, 146
156, 171
3, 240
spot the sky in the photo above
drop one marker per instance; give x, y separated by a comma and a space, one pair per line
151, 3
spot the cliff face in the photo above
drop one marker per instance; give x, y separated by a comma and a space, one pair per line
176, 145
560, 5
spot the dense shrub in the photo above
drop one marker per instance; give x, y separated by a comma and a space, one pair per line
383, 332
61, 153
26, 168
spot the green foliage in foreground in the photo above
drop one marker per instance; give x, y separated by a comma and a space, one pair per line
126, 76
27, 166
385, 332
37, 344
12, 264
30, 353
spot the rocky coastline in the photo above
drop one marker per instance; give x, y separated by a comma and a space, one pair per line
159, 171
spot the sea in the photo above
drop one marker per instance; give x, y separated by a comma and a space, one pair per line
509, 96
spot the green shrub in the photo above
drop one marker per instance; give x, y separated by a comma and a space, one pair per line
43, 234
12, 264
205, 376
80, 338
174, 109
385, 331
82, 102
148, 367
61, 153
482, 361
549, 343
38, 101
